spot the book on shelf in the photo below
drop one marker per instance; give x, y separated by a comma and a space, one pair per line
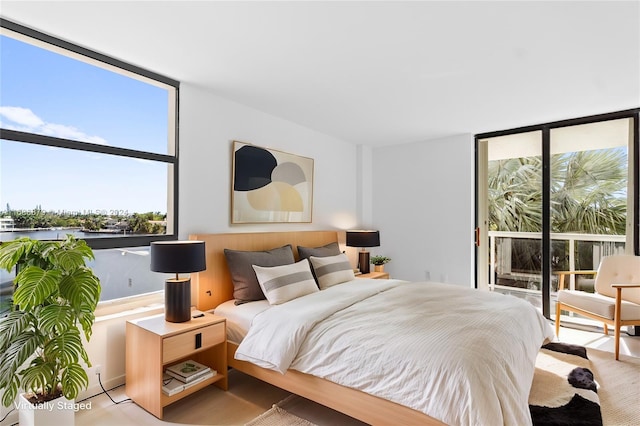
172, 386
187, 371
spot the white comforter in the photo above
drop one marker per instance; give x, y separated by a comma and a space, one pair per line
465, 357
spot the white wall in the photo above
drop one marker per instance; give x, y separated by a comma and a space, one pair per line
209, 124
423, 206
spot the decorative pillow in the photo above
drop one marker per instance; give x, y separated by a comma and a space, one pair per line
331, 249
245, 283
332, 270
283, 283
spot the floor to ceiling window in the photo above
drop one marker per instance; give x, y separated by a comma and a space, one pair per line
88, 147
554, 199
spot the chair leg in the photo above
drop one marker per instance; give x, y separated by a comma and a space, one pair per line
558, 319
617, 337
606, 328
616, 319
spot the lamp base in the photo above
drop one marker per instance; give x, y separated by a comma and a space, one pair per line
363, 261
177, 300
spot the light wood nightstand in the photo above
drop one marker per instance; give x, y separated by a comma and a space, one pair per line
153, 344
375, 275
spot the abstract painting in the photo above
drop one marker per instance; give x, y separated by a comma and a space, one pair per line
270, 185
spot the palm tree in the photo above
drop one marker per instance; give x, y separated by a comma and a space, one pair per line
588, 193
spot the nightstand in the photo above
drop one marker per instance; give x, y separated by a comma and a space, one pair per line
153, 344
375, 275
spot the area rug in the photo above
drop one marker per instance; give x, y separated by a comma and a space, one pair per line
619, 390
277, 416
564, 390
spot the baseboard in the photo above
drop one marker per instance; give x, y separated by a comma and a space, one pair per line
94, 388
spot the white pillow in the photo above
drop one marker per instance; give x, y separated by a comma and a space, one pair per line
332, 270
287, 282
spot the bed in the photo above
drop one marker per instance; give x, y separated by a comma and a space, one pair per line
484, 377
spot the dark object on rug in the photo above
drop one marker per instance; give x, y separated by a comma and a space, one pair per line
579, 411
567, 348
582, 378
565, 388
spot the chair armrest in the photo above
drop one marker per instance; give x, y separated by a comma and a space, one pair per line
618, 305
628, 285
561, 275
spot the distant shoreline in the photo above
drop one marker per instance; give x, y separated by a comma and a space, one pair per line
53, 228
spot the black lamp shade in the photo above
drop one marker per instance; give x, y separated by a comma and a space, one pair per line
363, 238
178, 256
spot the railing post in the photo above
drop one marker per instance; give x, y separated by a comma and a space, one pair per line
572, 263
492, 260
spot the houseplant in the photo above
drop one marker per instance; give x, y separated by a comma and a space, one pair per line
379, 262
40, 342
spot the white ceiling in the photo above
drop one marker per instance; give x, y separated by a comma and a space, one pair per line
375, 73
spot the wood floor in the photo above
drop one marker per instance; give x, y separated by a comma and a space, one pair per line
248, 397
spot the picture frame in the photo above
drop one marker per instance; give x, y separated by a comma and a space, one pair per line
270, 186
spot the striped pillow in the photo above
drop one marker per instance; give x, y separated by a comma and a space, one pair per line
287, 282
332, 270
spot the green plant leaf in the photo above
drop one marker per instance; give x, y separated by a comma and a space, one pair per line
69, 259
65, 348
56, 319
11, 326
35, 285
10, 391
82, 288
74, 379
18, 352
12, 251
40, 376
86, 318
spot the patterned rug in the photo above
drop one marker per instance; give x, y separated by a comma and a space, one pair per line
276, 416
564, 390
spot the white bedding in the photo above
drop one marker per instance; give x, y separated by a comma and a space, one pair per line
462, 356
240, 317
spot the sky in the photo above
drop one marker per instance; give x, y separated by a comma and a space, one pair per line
50, 94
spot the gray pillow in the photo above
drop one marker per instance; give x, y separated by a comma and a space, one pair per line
245, 283
332, 270
331, 249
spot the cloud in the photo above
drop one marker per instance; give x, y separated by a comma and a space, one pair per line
24, 120
23, 117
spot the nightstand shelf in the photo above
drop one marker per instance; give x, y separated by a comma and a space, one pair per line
153, 344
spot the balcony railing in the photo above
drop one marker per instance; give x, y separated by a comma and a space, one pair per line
515, 257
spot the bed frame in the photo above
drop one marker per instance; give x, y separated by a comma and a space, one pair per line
213, 286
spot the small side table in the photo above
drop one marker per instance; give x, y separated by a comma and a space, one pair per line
153, 344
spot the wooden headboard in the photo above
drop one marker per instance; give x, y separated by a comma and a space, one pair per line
213, 286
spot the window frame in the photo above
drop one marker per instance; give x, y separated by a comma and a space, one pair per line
172, 158
633, 115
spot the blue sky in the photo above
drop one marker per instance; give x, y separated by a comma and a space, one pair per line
47, 93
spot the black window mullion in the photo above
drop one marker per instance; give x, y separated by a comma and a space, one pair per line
546, 221
34, 138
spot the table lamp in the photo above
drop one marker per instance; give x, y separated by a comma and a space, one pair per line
177, 257
363, 238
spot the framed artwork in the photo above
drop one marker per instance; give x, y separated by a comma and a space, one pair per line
270, 186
